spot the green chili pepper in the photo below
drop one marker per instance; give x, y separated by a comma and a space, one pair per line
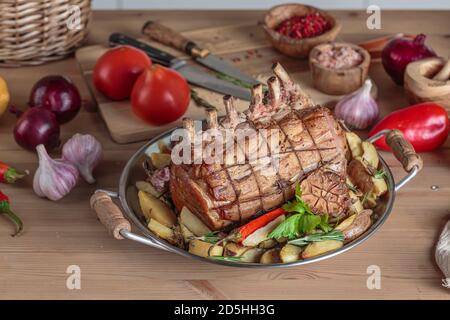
5, 209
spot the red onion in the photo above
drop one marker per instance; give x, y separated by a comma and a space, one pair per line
399, 52
57, 94
37, 126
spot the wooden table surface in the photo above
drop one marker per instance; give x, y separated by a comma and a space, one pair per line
64, 233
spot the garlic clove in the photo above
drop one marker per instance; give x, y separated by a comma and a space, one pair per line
54, 178
358, 110
85, 153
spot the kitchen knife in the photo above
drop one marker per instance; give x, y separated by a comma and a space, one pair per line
172, 38
192, 74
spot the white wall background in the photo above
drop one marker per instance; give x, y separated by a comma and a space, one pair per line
264, 4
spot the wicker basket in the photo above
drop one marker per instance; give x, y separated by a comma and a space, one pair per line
35, 32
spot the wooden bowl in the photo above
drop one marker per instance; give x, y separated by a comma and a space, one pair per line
298, 48
419, 85
338, 81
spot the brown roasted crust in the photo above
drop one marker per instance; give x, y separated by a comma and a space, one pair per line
309, 138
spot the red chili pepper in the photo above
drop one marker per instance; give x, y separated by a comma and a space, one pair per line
424, 125
9, 174
5, 209
241, 233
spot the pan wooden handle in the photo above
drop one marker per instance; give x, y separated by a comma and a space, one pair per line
169, 37
403, 150
109, 214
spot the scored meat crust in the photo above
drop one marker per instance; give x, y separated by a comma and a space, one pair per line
311, 149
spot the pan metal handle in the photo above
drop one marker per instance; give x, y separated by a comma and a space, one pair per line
113, 219
403, 151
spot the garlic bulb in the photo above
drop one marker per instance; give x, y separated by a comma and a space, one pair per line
54, 178
358, 109
84, 152
442, 254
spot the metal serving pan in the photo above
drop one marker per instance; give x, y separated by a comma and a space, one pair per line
118, 222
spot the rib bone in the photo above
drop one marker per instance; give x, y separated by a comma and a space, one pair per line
282, 75
293, 94
188, 124
211, 119
257, 95
274, 91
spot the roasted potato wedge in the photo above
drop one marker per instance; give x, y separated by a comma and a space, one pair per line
346, 223
354, 142
370, 154
194, 224
317, 248
147, 187
267, 244
360, 223
160, 160
156, 209
205, 249
164, 147
252, 255
290, 253
186, 233
379, 186
359, 175
234, 250
262, 234
164, 232
356, 205
271, 256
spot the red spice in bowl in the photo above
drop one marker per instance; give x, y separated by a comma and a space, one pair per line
307, 26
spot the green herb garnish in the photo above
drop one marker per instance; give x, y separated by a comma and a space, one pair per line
304, 221
318, 236
352, 187
210, 237
324, 225
220, 258
364, 199
380, 174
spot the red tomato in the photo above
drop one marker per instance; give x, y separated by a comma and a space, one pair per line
425, 126
116, 71
160, 95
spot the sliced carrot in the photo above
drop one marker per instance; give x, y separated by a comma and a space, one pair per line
247, 229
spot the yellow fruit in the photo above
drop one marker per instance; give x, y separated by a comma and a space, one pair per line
4, 96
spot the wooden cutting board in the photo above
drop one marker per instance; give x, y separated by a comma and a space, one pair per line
125, 127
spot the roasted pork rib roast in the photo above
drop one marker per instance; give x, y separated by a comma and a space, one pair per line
310, 148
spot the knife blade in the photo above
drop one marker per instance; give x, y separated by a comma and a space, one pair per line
193, 75
169, 37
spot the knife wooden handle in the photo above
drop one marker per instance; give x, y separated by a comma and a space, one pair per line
169, 37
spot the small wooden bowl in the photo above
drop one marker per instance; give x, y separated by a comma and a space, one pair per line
298, 48
419, 85
338, 81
